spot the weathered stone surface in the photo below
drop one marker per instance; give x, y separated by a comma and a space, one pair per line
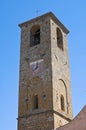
50, 83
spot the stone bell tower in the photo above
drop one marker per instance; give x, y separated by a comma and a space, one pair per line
44, 84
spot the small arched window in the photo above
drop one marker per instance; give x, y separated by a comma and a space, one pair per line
36, 102
59, 39
62, 102
35, 35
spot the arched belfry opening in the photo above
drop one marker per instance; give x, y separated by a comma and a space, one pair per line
35, 35
59, 39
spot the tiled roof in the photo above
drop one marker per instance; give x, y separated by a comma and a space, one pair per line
78, 123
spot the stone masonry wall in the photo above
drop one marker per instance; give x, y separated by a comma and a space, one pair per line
35, 85
60, 75
48, 83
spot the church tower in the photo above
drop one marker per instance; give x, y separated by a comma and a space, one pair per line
44, 84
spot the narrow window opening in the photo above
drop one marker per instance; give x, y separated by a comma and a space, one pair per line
35, 36
59, 39
62, 103
36, 102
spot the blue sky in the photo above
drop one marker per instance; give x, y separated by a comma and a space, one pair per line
72, 14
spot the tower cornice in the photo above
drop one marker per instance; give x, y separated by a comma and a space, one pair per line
51, 15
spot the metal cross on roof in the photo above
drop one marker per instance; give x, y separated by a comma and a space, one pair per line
37, 11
